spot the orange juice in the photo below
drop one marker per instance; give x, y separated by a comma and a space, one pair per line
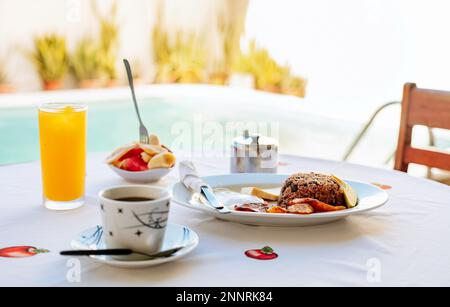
62, 130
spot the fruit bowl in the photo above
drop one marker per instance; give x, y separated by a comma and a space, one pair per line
148, 176
142, 163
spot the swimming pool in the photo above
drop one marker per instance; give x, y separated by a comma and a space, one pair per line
171, 110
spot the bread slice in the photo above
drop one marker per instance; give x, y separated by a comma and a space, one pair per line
260, 193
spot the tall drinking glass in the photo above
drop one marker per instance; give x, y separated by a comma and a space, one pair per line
62, 129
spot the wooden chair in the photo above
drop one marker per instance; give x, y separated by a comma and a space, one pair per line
428, 108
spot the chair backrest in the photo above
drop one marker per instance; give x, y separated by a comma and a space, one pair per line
428, 108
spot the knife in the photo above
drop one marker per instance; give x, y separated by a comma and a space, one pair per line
211, 199
190, 179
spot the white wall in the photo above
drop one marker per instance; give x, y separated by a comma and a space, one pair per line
357, 52
20, 20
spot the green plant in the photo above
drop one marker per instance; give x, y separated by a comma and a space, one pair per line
108, 40
50, 57
86, 60
290, 81
137, 69
185, 62
182, 60
268, 74
230, 35
108, 65
3, 75
294, 85
258, 62
161, 48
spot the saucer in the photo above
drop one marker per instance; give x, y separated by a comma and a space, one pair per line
176, 236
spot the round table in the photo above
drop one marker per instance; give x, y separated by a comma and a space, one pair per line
404, 243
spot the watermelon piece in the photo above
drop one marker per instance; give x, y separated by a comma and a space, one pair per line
132, 153
134, 164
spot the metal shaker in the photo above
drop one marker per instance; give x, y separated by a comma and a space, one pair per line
254, 153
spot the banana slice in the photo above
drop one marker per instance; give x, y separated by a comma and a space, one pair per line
152, 150
351, 198
260, 193
145, 157
154, 140
162, 160
119, 153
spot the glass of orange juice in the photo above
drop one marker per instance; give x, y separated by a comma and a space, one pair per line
62, 130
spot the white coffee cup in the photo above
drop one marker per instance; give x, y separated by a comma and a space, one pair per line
135, 217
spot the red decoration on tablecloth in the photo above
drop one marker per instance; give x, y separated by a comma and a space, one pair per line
265, 253
382, 186
21, 251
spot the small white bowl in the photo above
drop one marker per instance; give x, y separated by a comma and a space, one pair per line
142, 177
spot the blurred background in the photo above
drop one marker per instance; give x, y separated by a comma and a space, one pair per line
319, 69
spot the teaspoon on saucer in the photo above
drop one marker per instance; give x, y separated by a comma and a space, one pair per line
119, 252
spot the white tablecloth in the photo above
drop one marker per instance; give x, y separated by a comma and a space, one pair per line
406, 243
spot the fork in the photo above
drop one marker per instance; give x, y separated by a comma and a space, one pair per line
143, 132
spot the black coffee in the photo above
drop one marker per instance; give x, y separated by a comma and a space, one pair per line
134, 199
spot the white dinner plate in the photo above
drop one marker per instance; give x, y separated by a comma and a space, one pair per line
370, 197
176, 236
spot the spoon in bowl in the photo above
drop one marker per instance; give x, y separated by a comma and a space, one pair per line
143, 132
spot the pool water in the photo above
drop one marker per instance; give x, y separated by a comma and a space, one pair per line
113, 123
109, 125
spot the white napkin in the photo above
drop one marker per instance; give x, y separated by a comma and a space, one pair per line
190, 178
